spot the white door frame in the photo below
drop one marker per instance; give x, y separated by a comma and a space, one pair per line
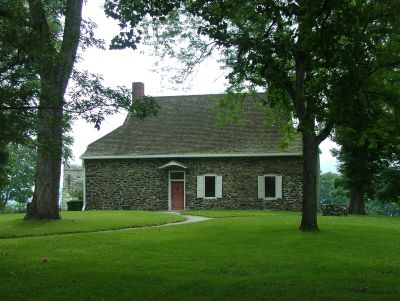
169, 188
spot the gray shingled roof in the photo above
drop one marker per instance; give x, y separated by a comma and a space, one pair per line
187, 125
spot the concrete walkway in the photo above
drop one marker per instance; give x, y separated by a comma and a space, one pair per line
190, 219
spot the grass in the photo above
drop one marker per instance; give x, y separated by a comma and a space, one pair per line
241, 255
13, 225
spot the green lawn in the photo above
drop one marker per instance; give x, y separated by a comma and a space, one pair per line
240, 255
13, 225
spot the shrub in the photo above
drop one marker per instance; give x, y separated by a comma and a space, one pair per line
76, 191
75, 205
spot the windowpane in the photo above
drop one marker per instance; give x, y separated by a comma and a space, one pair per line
177, 175
209, 186
270, 187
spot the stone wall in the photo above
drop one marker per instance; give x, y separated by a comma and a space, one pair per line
140, 184
126, 184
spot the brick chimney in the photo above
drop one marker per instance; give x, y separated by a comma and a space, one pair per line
137, 91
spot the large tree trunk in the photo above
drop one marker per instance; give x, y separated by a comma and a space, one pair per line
359, 176
310, 161
45, 204
55, 69
356, 205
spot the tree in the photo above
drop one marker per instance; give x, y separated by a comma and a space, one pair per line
367, 130
35, 25
39, 40
20, 176
297, 51
388, 185
4, 157
332, 190
18, 85
54, 67
385, 201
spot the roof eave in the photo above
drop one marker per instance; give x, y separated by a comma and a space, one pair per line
191, 155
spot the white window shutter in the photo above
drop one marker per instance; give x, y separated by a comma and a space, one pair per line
218, 192
261, 187
278, 187
200, 186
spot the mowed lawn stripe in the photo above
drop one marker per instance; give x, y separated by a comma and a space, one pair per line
13, 225
262, 257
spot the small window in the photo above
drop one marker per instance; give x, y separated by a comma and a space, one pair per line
177, 175
209, 186
270, 187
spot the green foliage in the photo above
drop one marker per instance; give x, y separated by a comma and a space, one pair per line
332, 189
20, 175
136, 11
4, 157
307, 56
230, 108
91, 100
19, 76
335, 190
15, 208
74, 205
39, 42
369, 139
388, 185
366, 123
19, 83
377, 207
76, 191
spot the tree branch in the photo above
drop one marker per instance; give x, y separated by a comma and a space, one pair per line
325, 132
73, 20
42, 30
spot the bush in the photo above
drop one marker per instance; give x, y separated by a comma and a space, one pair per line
75, 205
76, 191
333, 209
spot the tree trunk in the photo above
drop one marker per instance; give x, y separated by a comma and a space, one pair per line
55, 69
45, 204
309, 212
356, 205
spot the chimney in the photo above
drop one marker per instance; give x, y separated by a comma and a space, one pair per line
137, 91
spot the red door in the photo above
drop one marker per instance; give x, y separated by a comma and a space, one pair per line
177, 196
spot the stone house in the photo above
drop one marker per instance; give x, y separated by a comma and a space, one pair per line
180, 159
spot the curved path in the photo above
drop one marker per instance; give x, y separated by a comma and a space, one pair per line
190, 219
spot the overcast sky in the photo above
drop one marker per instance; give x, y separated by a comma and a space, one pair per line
122, 67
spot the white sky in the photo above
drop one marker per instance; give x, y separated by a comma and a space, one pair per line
122, 67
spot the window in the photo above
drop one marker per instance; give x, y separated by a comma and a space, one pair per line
209, 186
270, 187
